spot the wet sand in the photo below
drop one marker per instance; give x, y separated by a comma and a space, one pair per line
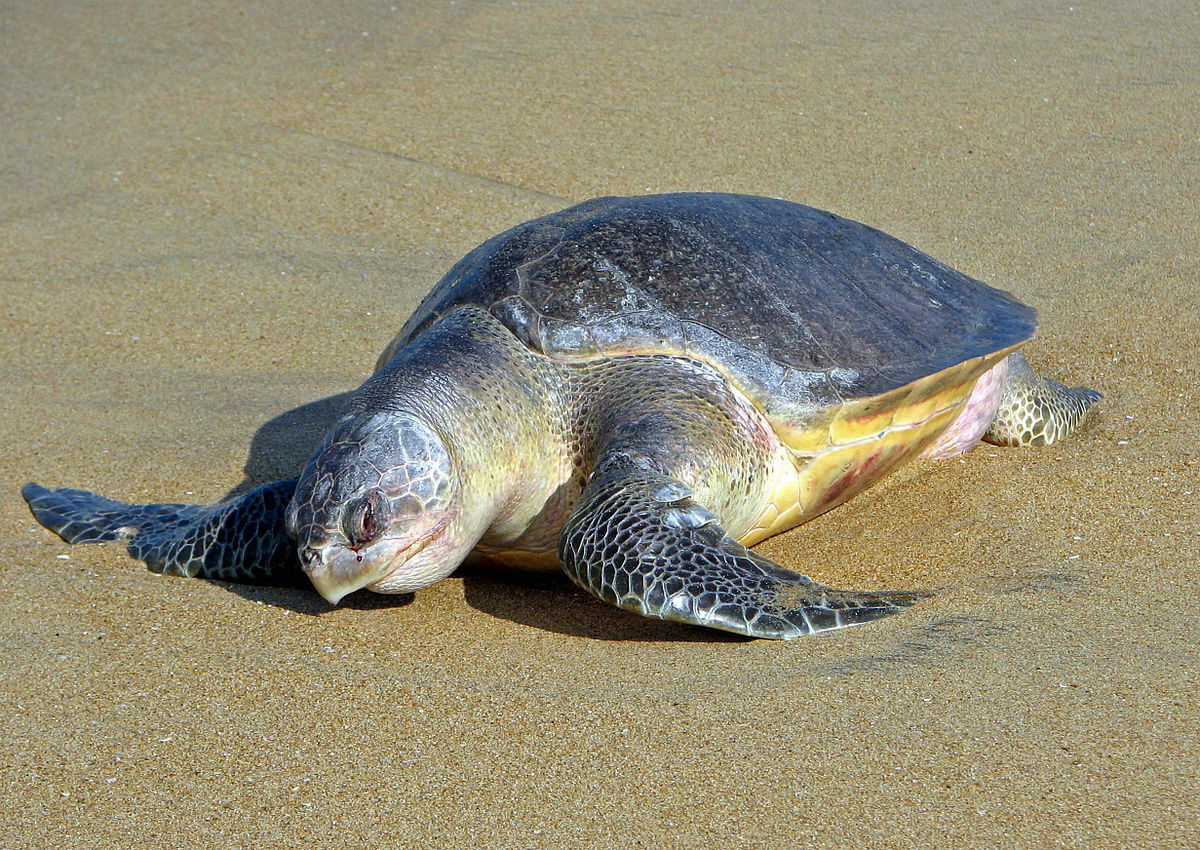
213, 218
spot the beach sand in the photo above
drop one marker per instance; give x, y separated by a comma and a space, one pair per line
213, 216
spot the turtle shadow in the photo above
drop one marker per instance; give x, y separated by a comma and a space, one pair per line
305, 600
551, 603
283, 444
546, 602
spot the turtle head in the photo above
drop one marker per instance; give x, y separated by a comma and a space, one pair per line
376, 507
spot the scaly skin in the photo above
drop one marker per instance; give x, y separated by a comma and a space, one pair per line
1036, 411
640, 541
447, 405
241, 540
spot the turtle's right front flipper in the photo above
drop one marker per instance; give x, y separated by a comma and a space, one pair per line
638, 540
241, 540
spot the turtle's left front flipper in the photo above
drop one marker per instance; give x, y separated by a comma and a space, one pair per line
638, 540
241, 540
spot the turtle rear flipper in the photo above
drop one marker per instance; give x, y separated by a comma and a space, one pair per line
1034, 410
241, 540
639, 541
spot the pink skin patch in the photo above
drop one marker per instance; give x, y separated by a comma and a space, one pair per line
968, 428
855, 481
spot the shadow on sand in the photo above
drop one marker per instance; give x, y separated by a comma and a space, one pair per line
281, 446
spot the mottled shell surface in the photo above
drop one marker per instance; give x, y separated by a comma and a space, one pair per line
815, 317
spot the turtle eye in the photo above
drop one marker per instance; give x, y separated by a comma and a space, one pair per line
367, 519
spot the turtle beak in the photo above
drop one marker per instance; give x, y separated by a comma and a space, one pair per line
331, 578
327, 585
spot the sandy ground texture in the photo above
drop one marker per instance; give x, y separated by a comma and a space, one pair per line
214, 215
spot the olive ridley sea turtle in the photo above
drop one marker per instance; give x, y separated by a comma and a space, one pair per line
633, 390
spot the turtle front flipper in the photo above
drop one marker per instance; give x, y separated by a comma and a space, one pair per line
640, 541
241, 540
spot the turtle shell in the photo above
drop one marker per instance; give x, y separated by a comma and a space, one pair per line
828, 325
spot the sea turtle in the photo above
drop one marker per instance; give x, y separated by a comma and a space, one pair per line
634, 390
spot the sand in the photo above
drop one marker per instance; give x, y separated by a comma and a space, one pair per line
213, 216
